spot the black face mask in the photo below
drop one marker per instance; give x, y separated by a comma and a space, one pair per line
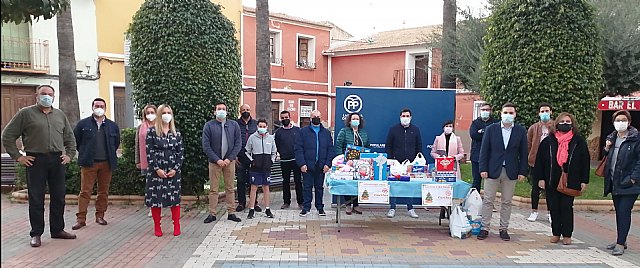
315, 121
564, 127
285, 122
246, 115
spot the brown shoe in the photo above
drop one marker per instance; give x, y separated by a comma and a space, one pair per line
349, 210
357, 210
101, 221
554, 239
566, 240
285, 206
35, 241
63, 235
78, 226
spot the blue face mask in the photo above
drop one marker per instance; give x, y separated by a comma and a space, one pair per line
484, 114
262, 130
45, 100
545, 117
508, 118
355, 123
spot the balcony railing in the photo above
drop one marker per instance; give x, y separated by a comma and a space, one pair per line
276, 61
306, 65
23, 55
410, 78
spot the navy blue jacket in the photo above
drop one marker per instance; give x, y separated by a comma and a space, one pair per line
305, 148
493, 153
476, 138
403, 143
619, 182
85, 133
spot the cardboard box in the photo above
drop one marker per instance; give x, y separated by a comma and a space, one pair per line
353, 152
363, 169
342, 176
445, 163
379, 161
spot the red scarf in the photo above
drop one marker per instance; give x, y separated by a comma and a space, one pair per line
563, 146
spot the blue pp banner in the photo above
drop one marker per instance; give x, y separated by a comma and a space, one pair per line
380, 108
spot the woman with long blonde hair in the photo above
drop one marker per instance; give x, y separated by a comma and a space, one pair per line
165, 156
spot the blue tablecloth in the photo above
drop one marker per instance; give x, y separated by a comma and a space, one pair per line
397, 188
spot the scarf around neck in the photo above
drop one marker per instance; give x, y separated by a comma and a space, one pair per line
563, 146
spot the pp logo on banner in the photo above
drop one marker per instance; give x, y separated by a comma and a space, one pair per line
352, 104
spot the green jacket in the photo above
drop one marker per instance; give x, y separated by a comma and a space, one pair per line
345, 136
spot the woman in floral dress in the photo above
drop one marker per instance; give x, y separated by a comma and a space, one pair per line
165, 156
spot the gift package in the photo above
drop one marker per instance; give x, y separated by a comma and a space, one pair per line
353, 152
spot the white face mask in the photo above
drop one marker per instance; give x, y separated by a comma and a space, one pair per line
448, 130
99, 112
621, 126
166, 118
151, 117
405, 121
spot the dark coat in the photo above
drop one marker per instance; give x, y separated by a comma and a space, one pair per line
245, 131
85, 133
476, 138
305, 148
578, 165
403, 143
493, 153
627, 166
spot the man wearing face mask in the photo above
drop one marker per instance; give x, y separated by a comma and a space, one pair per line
476, 131
503, 162
536, 134
97, 139
404, 142
314, 152
285, 140
48, 141
221, 142
248, 126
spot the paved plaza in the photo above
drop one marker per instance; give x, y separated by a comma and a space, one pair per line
288, 240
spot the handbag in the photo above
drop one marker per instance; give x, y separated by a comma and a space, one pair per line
564, 180
601, 167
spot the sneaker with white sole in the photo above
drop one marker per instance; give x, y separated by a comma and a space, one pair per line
533, 216
412, 213
391, 213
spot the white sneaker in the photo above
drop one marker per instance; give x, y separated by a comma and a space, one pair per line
412, 213
533, 216
391, 213
149, 215
549, 216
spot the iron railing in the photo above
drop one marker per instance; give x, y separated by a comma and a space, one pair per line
23, 55
410, 78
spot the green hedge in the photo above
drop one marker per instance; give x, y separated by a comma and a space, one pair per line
126, 179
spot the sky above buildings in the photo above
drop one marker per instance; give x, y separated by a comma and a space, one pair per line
364, 17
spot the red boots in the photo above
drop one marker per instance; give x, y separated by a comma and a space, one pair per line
175, 216
155, 214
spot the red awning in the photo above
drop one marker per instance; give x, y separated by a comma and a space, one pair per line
620, 103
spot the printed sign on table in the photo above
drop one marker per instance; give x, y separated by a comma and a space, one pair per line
436, 195
374, 192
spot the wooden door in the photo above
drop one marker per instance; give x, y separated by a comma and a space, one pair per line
119, 106
421, 72
13, 99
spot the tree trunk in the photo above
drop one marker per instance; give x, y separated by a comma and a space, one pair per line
449, 10
263, 63
68, 83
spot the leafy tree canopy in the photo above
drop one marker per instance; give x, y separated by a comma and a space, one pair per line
20, 11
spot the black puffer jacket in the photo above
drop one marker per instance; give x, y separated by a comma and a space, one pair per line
619, 182
577, 166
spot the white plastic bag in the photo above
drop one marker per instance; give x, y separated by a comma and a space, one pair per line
395, 168
419, 160
473, 203
406, 167
459, 223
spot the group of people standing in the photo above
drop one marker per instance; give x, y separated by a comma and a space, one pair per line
502, 153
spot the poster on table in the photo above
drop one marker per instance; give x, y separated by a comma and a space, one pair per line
373, 192
437, 195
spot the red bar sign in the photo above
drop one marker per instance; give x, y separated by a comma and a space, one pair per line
631, 105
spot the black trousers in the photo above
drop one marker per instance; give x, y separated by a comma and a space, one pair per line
47, 169
242, 173
561, 209
289, 167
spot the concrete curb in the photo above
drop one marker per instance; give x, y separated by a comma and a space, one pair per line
22, 196
578, 205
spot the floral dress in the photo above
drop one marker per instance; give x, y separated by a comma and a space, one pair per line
164, 152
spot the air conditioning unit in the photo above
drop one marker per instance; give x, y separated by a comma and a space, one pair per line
81, 66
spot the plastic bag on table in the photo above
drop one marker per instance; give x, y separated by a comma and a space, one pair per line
419, 160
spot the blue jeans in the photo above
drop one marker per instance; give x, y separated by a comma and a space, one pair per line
475, 172
403, 200
313, 179
623, 205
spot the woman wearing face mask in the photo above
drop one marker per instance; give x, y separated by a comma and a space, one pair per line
447, 144
352, 133
564, 150
164, 156
622, 175
148, 120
